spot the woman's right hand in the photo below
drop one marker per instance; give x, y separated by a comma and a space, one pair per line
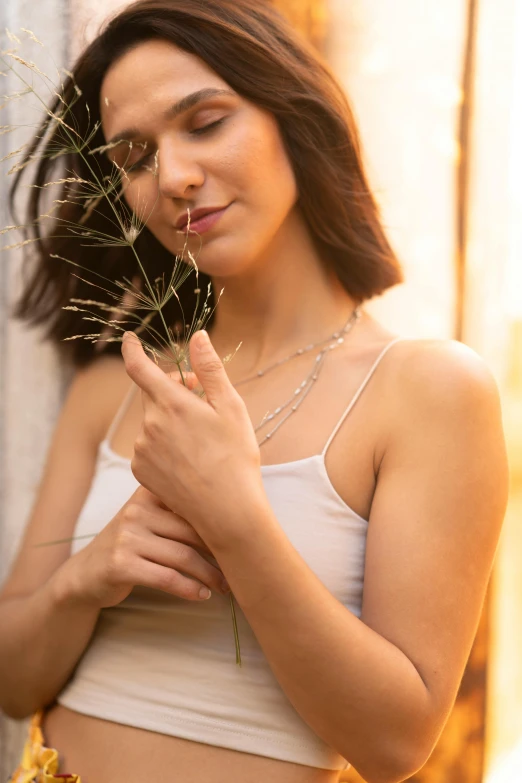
144, 544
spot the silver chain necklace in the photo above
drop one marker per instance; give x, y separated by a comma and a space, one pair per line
356, 314
304, 388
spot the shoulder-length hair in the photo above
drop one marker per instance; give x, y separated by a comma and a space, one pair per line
253, 48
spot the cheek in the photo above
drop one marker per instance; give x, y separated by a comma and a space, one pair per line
141, 195
257, 163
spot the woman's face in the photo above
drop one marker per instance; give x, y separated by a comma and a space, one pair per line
222, 151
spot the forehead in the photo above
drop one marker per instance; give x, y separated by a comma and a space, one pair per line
149, 77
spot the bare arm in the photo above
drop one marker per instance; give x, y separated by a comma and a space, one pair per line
43, 632
50, 604
44, 636
379, 689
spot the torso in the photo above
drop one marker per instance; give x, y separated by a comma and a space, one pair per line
106, 752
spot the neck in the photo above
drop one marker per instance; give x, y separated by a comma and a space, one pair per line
285, 301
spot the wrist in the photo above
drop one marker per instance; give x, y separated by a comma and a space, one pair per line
242, 525
65, 591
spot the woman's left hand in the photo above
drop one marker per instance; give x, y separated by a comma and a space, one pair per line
200, 458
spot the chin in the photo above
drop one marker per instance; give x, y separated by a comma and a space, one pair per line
221, 256
222, 269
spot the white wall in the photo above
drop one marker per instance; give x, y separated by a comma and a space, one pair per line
86, 17
30, 380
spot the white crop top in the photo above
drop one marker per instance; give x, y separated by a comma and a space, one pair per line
168, 665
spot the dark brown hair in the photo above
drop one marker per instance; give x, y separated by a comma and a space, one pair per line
252, 47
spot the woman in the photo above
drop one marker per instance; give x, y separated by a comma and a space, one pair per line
133, 674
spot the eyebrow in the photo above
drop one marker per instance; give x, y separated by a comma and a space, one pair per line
174, 111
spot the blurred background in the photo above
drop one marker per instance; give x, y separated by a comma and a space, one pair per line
437, 91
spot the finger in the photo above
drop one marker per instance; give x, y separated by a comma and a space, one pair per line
159, 577
190, 379
142, 370
184, 559
209, 368
146, 498
162, 521
166, 524
142, 496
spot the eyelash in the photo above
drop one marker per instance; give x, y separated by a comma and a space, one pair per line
196, 132
207, 128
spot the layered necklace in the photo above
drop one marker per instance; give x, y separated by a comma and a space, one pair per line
304, 388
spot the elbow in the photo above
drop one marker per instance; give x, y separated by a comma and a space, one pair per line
16, 711
390, 772
17, 707
21, 711
393, 767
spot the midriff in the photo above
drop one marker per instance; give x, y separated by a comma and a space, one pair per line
102, 751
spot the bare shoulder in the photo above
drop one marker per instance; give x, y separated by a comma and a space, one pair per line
427, 382
98, 389
91, 398
103, 367
440, 375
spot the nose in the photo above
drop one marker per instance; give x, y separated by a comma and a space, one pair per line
177, 170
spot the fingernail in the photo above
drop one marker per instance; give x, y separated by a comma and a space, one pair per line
204, 593
202, 338
225, 586
126, 336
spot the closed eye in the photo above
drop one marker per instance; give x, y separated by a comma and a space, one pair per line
197, 132
139, 163
207, 128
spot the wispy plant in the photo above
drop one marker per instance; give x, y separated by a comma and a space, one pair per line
133, 307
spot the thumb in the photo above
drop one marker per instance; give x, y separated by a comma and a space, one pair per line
208, 367
142, 370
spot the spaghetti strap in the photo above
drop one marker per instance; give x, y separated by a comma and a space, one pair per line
359, 391
120, 412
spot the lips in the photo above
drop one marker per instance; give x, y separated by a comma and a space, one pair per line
195, 215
